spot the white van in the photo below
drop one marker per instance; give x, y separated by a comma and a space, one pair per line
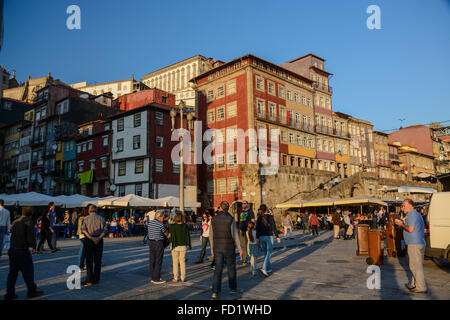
438, 244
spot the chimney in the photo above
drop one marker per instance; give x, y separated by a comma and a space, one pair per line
14, 74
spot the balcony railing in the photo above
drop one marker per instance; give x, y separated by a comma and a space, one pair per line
325, 130
323, 87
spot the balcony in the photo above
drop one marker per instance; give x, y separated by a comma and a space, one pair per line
323, 87
325, 130
340, 133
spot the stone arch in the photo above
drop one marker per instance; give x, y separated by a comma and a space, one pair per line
357, 190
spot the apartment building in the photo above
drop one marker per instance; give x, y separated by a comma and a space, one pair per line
175, 78
382, 154
116, 88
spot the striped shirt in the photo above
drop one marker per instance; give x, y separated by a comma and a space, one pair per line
156, 230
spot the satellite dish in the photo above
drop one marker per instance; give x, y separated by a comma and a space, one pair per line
112, 187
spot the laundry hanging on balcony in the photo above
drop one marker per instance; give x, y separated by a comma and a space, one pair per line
86, 177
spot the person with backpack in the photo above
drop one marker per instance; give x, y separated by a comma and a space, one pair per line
46, 232
266, 231
245, 217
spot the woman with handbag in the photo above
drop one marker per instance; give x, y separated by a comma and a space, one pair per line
181, 240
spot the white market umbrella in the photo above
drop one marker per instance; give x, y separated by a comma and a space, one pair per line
171, 201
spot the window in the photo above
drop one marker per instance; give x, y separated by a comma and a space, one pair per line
282, 114
121, 191
220, 113
259, 83
231, 109
272, 110
221, 186
93, 165
175, 168
231, 87
105, 141
78, 148
309, 102
136, 142
232, 159
137, 120
138, 189
122, 168
220, 92
296, 98
220, 160
233, 185
159, 118
139, 166
210, 95
291, 138
90, 145
120, 124
289, 95
304, 100
120, 145
83, 147
271, 87
159, 165
163, 99
81, 166
104, 164
211, 116
281, 92
260, 108
159, 141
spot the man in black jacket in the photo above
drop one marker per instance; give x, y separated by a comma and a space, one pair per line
22, 239
224, 240
266, 229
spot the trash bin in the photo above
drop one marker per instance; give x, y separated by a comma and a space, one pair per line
362, 239
376, 247
393, 239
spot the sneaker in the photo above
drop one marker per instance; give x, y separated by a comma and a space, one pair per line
87, 284
243, 264
54, 250
213, 268
264, 272
160, 281
235, 291
409, 287
214, 295
35, 294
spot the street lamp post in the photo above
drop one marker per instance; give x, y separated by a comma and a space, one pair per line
189, 118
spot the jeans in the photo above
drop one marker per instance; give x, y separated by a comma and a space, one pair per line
2, 237
416, 254
229, 257
179, 258
82, 254
315, 230
243, 240
156, 258
54, 239
205, 241
20, 260
93, 260
286, 228
305, 227
267, 246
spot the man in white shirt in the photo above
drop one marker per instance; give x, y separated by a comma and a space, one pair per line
5, 224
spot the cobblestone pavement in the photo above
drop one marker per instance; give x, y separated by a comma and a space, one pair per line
305, 267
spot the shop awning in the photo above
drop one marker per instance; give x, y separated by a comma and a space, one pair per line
416, 190
360, 200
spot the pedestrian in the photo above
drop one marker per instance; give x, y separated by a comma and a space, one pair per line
305, 220
74, 219
204, 237
82, 237
414, 236
46, 232
22, 239
157, 232
254, 248
181, 240
245, 217
314, 223
94, 228
347, 224
287, 224
53, 219
266, 230
224, 240
336, 220
146, 221
68, 227
5, 224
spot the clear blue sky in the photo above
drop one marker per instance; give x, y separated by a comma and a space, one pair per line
400, 71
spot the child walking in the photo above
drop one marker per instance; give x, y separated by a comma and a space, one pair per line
253, 247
